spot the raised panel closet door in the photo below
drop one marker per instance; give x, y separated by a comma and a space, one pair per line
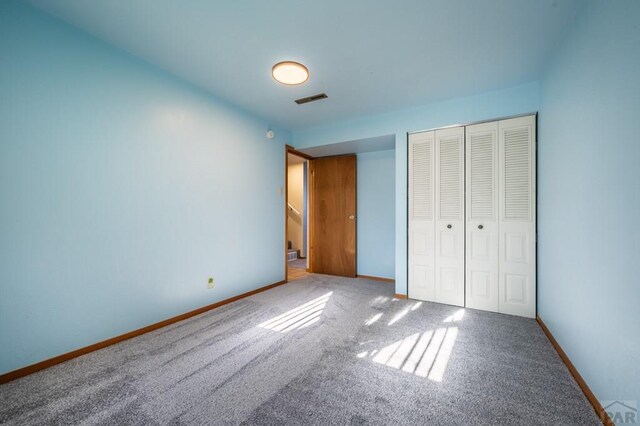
449, 227
421, 217
482, 216
517, 282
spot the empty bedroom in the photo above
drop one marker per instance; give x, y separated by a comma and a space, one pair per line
319, 212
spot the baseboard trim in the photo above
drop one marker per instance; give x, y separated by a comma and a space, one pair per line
371, 277
600, 411
400, 296
30, 369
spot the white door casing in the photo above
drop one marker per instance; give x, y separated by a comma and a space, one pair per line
517, 241
449, 224
482, 235
421, 216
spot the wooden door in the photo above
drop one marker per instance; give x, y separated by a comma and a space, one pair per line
333, 216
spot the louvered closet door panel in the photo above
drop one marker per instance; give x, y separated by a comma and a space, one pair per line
517, 280
481, 157
421, 217
449, 226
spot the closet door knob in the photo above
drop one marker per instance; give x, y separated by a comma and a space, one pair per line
449, 226
480, 226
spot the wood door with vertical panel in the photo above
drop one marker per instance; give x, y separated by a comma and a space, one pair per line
333, 216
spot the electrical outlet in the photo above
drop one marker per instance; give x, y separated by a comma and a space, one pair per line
210, 283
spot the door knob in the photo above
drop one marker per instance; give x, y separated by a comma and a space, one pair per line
352, 217
480, 226
449, 226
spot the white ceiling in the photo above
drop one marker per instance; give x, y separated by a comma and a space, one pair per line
369, 56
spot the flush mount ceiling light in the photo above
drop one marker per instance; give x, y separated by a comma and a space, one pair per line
290, 73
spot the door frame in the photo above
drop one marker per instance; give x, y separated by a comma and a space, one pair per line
291, 150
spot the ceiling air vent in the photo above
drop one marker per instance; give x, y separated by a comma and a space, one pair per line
311, 98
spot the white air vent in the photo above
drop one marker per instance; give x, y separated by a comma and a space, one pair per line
482, 175
421, 180
450, 173
517, 173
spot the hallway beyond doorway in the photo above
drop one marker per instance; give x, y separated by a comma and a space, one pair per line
296, 232
297, 269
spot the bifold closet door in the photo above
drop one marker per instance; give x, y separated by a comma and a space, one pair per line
449, 223
421, 217
482, 234
474, 245
517, 279
436, 216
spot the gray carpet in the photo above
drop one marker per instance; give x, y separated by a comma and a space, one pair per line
322, 350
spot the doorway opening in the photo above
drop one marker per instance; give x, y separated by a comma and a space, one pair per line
320, 215
297, 215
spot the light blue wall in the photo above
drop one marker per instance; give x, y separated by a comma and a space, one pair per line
517, 100
122, 189
376, 214
589, 198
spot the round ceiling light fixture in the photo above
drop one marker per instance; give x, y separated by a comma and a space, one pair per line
290, 73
